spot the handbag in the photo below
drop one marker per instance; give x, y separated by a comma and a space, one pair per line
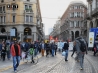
95, 49
63, 53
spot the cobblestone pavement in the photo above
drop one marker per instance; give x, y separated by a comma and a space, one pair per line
58, 65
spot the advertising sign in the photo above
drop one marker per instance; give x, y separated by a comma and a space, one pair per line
91, 39
12, 32
70, 45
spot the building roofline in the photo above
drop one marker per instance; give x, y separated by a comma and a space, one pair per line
71, 3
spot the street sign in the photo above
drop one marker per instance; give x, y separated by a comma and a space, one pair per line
12, 32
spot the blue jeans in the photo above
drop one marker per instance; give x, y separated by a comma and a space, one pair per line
81, 57
53, 52
66, 54
16, 61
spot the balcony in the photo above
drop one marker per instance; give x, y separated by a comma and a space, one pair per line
2, 12
13, 11
28, 11
95, 11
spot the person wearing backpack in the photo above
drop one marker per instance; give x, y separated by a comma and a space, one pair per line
31, 51
81, 48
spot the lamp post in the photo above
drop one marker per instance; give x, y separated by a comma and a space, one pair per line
7, 35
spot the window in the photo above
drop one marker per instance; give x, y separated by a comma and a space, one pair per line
70, 14
14, 19
14, 7
2, 1
31, 19
3, 8
75, 23
97, 3
0, 9
26, 7
30, 7
28, 0
70, 8
79, 23
4, 19
27, 18
71, 24
1, 19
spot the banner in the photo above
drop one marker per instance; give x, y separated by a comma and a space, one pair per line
12, 32
91, 39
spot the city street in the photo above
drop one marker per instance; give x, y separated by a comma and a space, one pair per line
56, 65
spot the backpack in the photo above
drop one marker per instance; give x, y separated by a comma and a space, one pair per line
31, 50
82, 46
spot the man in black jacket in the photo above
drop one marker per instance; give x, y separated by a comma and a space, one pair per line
65, 48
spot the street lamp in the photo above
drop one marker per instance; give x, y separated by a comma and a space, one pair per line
7, 35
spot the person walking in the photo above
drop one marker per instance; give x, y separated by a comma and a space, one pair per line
47, 48
55, 47
52, 48
65, 48
31, 51
42, 48
74, 49
95, 49
16, 53
3, 51
81, 48
8, 51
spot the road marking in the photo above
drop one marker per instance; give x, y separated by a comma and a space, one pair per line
9, 67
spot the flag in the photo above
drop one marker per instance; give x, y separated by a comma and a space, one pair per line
56, 39
50, 37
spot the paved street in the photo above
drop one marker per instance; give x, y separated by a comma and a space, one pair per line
56, 65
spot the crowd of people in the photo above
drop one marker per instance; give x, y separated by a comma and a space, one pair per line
15, 50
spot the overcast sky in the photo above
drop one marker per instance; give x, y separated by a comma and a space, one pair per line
51, 10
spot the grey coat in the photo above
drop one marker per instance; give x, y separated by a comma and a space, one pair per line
78, 45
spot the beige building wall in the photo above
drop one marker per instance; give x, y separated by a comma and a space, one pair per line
20, 18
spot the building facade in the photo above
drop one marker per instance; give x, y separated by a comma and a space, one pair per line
73, 21
56, 30
24, 17
92, 14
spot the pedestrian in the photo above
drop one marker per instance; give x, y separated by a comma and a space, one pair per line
16, 53
81, 48
52, 48
74, 49
65, 48
3, 51
95, 49
0, 49
42, 48
8, 51
55, 48
31, 51
47, 48
36, 48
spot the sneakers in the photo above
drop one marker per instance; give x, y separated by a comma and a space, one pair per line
66, 60
15, 71
81, 68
